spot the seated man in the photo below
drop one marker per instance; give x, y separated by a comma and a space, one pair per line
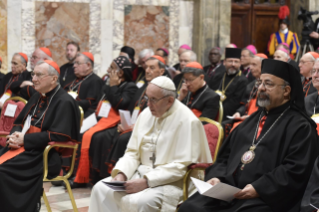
167, 137
196, 94
249, 101
290, 61
312, 100
181, 49
67, 70
269, 153
10, 85
86, 87
233, 85
139, 75
116, 136
306, 64
185, 57
246, 55
118, 95
27, 88
50, 115
216, 70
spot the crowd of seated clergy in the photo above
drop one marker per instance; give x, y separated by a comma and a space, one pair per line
141, 126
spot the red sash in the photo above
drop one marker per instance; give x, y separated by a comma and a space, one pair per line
83, 172
14, 152
196, 112
317, 128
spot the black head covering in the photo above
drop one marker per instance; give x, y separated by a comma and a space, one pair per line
288, 73
125, 65
130, 51
233, 53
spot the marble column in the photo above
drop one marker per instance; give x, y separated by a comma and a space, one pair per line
3, 35
211, 26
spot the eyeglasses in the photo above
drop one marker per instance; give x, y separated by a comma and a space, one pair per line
78, 63
39, 75
153, 100
303, 62
267, 85
314, 71
189, 80
35, 57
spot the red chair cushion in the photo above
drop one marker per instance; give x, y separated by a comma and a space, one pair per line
199, 165
212, 135
6, 123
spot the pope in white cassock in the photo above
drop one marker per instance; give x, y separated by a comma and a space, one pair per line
166, 138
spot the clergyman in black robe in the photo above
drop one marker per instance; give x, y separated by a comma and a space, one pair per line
56, 116
196, 94
286, 146
233, 85
87, 85
216, 70
119, 94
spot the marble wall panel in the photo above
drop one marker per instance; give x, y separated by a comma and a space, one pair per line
118, 24
3, 35
58, 23
146, 27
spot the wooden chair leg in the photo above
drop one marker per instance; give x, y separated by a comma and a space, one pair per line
46, 202
68, 187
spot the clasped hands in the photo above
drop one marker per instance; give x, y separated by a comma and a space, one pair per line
248, 192
131, 186
15, 140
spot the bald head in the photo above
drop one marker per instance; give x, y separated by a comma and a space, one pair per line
306, 64
187, 57
281, 55
37, 56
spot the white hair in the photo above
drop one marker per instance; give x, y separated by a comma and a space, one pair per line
317, 60
168, 92
145, 52
312, 57
286, 54
193, 56
51, 70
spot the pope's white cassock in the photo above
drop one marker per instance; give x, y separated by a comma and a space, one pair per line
178, 139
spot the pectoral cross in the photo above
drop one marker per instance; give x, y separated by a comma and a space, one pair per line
153, 158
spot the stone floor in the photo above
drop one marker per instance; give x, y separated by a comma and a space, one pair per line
59, 198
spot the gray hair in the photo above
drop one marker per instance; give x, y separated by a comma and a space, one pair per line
193, 56
169, 92
44, 56
312, 58
285, 84
160, 64
317, 60
261, 58
250, 53
51, 70
286, 54
195, 71
145, 52
87, 60
22, 59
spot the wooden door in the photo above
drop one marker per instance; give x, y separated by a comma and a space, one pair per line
253, 21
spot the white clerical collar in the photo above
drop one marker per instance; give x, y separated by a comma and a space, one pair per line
284, 31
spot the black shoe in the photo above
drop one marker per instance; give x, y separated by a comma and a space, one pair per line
74, 184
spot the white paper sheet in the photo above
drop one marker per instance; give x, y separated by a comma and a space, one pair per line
105, 109
220, 191
27, 124
4, 98
135, 114
73, 94
88, 123
10, 110
140, 83
126, 121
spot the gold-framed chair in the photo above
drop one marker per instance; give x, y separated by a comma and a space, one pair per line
4, 134
68, 145
203, 166
220, 112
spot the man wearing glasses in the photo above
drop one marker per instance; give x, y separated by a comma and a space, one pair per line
50, 115
196, 94
233, 84
167, 137
86, 87
270, 156
312, 100
11, 82
306, 65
